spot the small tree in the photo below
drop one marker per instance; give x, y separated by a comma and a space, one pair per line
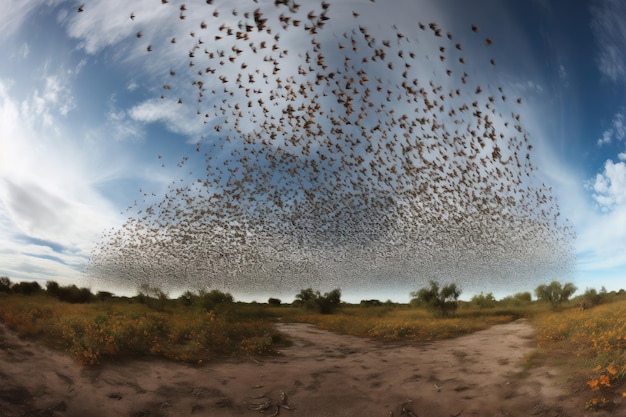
314, 300
307, 299
329, 301
304, 296
5, 284
442, 301
555, 293
273, 301
52, 288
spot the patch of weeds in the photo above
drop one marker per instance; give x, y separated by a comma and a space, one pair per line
529, 362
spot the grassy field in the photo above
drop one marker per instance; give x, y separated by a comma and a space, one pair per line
591, 343
118, 329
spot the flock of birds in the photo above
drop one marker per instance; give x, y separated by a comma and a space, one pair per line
361, 159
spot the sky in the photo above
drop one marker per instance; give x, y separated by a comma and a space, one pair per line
84, 134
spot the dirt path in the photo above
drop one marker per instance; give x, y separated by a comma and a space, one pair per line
321, 374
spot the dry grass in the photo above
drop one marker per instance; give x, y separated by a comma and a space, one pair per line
591, 341
401, 322
117, 328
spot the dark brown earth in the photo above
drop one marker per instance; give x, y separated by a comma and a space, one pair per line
320, 374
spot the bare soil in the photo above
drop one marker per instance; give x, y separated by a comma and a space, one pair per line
320, 374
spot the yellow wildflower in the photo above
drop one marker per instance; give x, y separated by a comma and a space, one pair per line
597, 368
611, 369
604, 380
593, 384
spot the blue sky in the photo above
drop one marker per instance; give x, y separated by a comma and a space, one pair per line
82, 128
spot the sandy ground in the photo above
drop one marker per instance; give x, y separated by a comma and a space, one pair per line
321, 374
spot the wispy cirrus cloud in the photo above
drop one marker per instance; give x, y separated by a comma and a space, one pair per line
106, 23
14, 14
610, 32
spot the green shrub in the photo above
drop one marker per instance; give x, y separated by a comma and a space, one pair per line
484, 300
26, 288
442, 301
215, 300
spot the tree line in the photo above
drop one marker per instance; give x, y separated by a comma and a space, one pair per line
442, 300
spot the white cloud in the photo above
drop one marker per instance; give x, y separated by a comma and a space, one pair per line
46, 188
610, 186
176, 116
616, 131
54, 98
602, 240
606, 138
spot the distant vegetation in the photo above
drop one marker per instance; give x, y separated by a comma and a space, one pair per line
313, 300
588, 329
519, 299
484, 300
70, 294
